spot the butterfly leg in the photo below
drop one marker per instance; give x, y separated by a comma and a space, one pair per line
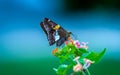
55, 50
71, 40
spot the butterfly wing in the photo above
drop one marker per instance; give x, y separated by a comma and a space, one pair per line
47, 28
42, 26
63, 36
51, 23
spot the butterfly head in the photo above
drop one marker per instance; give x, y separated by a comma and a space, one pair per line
56, 27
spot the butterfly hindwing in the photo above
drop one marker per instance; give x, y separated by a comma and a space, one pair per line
47, 28
63, 36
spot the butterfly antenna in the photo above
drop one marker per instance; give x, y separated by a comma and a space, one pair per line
74, 36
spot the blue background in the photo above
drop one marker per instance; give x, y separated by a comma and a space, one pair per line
23, 42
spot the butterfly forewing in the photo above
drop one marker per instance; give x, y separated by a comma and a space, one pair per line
48, 27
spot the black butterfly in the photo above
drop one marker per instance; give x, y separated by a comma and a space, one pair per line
55, 33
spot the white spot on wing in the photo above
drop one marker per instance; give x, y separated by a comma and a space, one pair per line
57, 37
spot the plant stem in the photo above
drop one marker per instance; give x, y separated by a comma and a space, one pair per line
87, 72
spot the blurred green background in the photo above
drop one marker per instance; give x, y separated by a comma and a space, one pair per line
24, 49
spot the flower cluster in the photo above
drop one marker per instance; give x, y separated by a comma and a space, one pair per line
81, 45
75, 55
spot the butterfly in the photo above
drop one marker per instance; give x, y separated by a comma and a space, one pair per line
54, 32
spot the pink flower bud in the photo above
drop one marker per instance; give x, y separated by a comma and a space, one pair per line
77, 44
66, 42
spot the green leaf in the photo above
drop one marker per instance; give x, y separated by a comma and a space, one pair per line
96, 56
66, 58
80, 52
62, 69
81, 60
65, 48
83, 50
62, 58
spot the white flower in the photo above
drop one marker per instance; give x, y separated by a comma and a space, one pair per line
84, 45
76, 59
87, 63
77, 68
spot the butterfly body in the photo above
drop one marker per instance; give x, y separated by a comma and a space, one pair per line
55, 33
